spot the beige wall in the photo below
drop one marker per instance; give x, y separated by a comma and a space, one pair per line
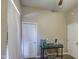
72, 16
4, 4
4, 9
51, 25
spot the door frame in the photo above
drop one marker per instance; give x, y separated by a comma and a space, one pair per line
29, 23
37, 36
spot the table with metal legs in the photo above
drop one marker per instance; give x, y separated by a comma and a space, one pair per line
42, 51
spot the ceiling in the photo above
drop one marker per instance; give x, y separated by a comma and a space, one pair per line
51, 4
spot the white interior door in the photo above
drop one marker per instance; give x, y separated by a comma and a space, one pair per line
73, 40
29, 37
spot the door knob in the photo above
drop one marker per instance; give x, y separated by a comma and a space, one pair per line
76, 43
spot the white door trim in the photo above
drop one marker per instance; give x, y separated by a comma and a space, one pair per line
29, 23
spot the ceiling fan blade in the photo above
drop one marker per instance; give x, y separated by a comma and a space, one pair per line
60, 2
